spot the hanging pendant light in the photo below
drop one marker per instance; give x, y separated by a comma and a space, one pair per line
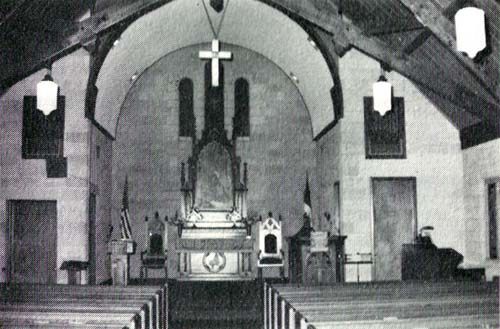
46, 94
470, 30
382, 95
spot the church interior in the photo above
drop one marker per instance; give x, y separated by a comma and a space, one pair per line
270, 164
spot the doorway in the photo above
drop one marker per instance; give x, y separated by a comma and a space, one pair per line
394, 223
32, 241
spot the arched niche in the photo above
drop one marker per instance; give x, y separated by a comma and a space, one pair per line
294, 54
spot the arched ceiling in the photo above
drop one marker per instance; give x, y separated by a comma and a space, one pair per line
247, 23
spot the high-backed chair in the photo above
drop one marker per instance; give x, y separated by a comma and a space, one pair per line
270, 244
154, 256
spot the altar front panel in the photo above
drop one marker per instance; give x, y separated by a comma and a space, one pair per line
212, 259
203, 263
215, 265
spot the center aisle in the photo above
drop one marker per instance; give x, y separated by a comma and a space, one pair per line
215, 305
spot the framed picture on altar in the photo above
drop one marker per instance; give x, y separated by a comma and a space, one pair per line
319, 241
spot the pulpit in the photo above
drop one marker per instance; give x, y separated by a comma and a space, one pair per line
75, 269
214, 240
120, 251
311, 265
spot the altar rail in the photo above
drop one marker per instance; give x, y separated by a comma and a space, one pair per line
382, 305
67, 306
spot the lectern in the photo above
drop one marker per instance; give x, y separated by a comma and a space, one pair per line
313, 268
75, 269
120, 252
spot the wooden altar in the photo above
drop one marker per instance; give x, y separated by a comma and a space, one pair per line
214, 239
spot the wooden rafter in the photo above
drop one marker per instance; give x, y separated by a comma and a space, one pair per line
417, 42
78, 34
321, 13
431, 14
391, 30
326, 15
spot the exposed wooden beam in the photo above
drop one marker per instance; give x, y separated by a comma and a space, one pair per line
424, 77
417, 42
326, 15
478, 134
76, 35
384, 30
19, 7
431, 14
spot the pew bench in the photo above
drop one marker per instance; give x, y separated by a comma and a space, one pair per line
372, 305
447, 322
148, 304
80, 307
129, 320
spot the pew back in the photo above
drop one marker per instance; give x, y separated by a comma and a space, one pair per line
37, 305
382, 305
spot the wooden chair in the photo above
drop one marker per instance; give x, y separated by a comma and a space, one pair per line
154, 256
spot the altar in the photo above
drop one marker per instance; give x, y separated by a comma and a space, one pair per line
215, 238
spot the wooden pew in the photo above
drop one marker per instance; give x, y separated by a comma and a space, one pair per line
447, 322
76, 319
74, 306
130, 292
103, 325
147, 304
291, 306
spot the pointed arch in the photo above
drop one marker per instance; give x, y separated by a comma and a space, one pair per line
241, 120
187, 121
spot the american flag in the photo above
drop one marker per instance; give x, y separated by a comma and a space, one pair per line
307, 199
125, 229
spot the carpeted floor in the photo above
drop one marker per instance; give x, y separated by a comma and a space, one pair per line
215, 305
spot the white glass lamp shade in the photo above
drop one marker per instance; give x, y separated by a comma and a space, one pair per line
46, 95
470, 30
382, 96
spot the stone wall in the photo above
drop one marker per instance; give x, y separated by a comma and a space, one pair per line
27, 179
433, 157
481, 166
451, 184
328, 171
101, 155
279, 150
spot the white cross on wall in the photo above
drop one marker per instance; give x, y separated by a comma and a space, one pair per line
215, 55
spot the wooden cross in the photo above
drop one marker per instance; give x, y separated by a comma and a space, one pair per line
215, 55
